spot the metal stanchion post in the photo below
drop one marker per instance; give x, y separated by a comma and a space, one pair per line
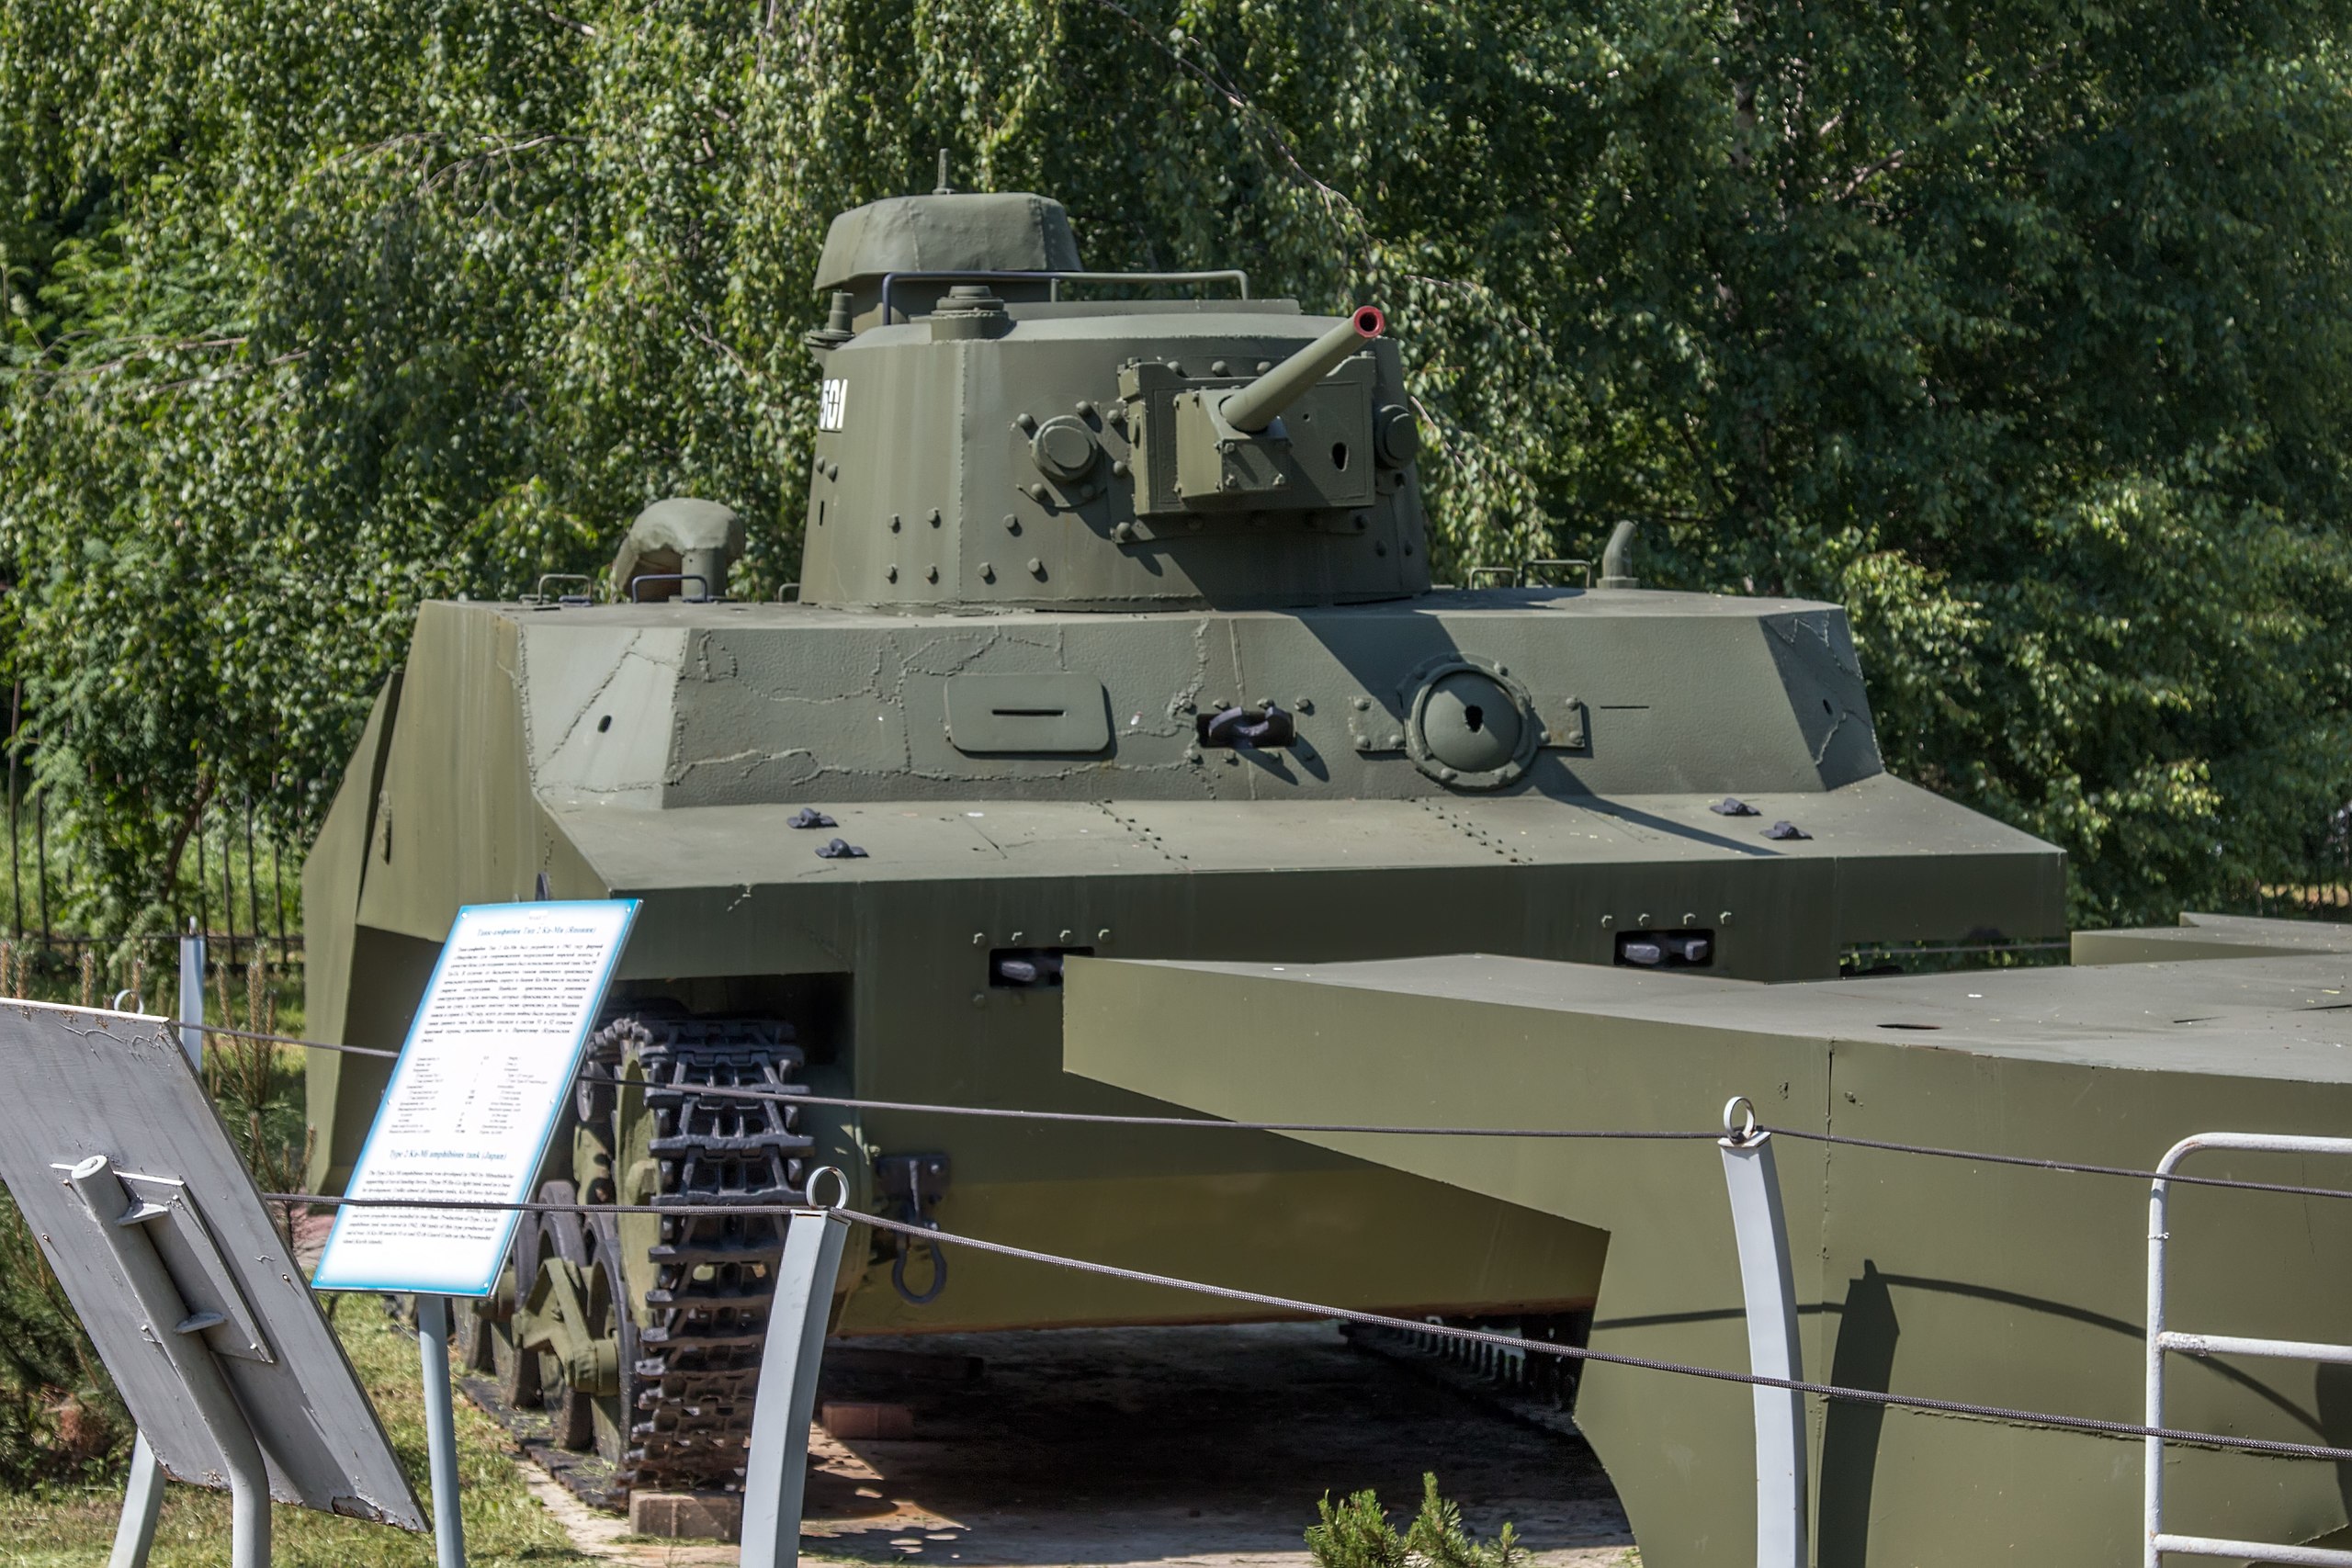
1770, 1290
192, 994
440, 1430
777, 1471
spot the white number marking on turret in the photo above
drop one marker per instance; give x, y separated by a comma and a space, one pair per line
832, 400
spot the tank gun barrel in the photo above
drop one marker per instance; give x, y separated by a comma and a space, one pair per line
1257, 405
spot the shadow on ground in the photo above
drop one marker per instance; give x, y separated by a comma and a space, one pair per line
1119, 1446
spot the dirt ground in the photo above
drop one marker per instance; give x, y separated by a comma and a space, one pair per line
1204, 1447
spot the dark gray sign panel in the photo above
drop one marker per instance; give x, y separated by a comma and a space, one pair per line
77, 1083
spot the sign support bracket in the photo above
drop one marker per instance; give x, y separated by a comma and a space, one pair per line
175, 1330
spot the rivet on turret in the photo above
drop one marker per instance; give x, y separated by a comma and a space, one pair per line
1085, 406
1027, 421
1012, 524
1264, 365
889, 574
1378, 549
1037, 567
1065, 936
894, 521
935, 517
1123, 533
1035, 492
1364, 705
1119, 467
931, 574
987, 572
1216, 367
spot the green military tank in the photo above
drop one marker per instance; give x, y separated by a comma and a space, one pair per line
1115, 637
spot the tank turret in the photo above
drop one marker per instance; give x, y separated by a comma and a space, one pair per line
984, 440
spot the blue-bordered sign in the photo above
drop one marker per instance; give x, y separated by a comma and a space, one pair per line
476, 1096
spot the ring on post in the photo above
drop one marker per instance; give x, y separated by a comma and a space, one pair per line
808, 1188
1745, 1132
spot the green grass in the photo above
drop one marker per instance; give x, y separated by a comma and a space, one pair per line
61, 1527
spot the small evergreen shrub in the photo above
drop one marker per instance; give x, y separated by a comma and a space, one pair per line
1356, 1534
61, 1420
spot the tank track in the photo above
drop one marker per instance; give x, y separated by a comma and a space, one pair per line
687, 1396
1538, 1390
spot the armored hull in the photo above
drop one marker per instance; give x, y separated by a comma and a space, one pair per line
1989, 1280
1090, 667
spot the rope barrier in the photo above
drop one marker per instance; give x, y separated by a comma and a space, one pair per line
799, 1097
1379, 1320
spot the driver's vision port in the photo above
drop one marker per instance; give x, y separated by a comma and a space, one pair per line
1667, 949
1031, 968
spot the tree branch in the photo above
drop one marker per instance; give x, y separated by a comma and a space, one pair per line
1870, 171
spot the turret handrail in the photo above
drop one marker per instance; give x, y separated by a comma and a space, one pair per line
1054, 281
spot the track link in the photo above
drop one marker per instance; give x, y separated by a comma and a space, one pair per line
688, 1395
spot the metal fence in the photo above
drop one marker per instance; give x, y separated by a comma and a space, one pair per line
2320, 890
232, 888
222, 835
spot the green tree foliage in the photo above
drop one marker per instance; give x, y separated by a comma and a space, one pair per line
2021, 328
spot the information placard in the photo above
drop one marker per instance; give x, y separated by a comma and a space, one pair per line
477, 1092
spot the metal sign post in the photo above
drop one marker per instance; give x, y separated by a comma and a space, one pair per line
440, 1430
143, 1504
777, 1471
